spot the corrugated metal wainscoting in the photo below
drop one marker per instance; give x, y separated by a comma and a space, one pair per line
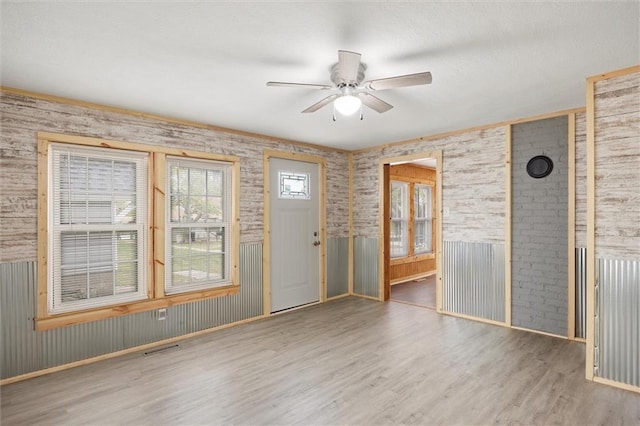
617, 337
581, 292
474, 281
337, 266
365, 279
24, 350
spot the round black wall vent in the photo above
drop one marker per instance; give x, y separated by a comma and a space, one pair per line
539, 166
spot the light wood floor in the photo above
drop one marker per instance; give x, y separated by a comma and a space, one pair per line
350, 361
420, 293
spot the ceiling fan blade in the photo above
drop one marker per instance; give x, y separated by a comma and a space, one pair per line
348, 66
320, 104
302, 85
400, 81
374, 102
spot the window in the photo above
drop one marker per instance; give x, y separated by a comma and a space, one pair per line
423, 227
294, 185
411, 211
399, 219
199, 207
131, 228
98, 227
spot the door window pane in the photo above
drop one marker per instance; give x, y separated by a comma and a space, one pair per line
293, 185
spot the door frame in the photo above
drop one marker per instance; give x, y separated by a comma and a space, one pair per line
384, 284
266, 251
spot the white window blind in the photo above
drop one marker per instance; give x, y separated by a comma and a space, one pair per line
97, 212
423, 219
198, 225
399, 233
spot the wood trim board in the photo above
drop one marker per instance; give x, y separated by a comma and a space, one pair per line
571, 227
385, 241
471, 129
591, 217
351, 234
42, 227
616, 384
439, 221
544, 333
507, 225
612, 74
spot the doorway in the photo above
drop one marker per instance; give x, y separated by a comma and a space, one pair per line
294, 233
412, 229
419, 292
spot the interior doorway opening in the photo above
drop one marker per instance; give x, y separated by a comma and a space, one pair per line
419, 292
411, 196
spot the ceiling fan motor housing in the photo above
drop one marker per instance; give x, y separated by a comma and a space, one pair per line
339, 82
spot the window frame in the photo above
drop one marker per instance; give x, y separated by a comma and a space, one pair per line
57, 227
155, 223
404, 219
428, 219
190, 225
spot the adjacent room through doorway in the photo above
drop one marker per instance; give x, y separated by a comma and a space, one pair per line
420, 292
411, 221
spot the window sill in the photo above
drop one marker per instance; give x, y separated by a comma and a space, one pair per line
80, 317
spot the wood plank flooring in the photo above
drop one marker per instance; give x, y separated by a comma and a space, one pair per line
349, 361
420, 293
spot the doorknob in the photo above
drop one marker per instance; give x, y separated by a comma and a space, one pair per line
316, 243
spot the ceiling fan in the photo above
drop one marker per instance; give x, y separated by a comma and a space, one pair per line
350, 92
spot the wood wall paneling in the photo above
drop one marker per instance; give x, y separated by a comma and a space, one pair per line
617, 167
402, 272
580, 170
472, 184
22, 116
613, 178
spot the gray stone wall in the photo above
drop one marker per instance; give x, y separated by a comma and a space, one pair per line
539, 228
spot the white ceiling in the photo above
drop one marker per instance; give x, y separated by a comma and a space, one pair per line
209, 61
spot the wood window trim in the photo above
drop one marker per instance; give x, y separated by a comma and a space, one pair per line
156, 297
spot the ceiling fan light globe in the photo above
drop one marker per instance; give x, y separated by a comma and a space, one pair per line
347, 104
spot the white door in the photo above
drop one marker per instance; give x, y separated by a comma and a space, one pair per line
295, 233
